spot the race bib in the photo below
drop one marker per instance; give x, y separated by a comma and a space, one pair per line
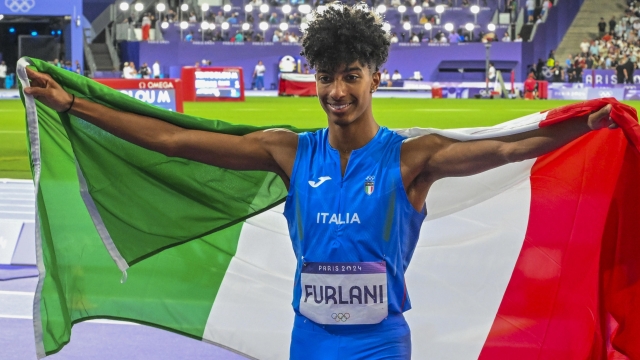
344, 293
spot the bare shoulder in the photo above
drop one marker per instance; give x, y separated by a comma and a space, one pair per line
415, 157
282, 145
417, 151
278, 137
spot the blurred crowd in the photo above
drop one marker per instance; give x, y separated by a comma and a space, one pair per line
616, 47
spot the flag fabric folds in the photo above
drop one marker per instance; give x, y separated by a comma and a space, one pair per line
537, 259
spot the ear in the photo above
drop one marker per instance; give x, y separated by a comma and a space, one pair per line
375, 79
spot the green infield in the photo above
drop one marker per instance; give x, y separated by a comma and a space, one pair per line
300, 112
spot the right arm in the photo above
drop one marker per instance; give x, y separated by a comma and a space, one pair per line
270, 150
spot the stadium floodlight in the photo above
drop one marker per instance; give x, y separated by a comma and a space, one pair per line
309, 17
429, 27
164, 25
204, 25
138, 7
439, 9
1, 16
224, 25
204, 7
491, 27
226, 8
406, 25
402, 9
304, 9
161, 7
264, 8
448, 27
304, 27
475, 9
184, 25
320, 9
286, 8
386, 27
381, 9
248, 8
284, 26
245, 26
184, 7
469, 27
264, 25
417, 9
124, 6
212, 26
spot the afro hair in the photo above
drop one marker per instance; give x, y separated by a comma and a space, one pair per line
341, 35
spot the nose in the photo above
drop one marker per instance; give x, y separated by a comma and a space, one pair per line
338, 89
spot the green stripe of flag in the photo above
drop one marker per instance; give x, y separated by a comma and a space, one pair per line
186, 213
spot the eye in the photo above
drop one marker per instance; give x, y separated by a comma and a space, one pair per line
352, 77
324, 79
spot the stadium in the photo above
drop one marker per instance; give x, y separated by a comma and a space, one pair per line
112, 247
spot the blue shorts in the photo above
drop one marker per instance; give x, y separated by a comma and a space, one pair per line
391, 339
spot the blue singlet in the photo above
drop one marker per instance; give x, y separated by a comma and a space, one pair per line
363, 217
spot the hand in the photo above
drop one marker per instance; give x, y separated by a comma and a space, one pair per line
601, 119
47, 91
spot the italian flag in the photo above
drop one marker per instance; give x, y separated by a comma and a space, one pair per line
533, 260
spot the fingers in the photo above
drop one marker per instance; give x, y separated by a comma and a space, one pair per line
35, 91
39, 79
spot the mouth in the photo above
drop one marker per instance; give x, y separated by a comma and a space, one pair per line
339, 108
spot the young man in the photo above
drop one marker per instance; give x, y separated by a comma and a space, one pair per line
356, 190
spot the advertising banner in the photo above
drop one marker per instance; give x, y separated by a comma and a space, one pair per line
604, 77
577, 91
165, 93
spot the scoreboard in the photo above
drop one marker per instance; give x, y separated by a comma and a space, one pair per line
213, 83
165, 93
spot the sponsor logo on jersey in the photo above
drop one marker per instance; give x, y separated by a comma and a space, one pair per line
338, 219
320, 181
369, 185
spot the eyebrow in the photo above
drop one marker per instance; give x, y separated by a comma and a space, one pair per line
347, 70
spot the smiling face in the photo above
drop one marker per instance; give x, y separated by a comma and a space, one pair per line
345, 93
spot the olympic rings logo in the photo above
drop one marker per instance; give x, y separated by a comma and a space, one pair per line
340, 317
20, 5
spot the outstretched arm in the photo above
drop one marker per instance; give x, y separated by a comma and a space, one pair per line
428, 158
270, 150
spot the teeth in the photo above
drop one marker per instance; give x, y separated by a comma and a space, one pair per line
339, 107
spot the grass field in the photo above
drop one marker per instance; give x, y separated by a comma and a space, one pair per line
300, 112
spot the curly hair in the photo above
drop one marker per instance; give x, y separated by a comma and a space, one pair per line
341, 35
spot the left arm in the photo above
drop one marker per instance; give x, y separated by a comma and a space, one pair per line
428, 158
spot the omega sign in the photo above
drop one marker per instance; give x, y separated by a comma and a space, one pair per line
20, 5
155, 85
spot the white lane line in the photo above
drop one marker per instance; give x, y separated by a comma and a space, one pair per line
95, 321
17, 212
20, 293
26, 317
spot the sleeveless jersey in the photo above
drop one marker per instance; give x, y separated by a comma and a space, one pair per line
364, 216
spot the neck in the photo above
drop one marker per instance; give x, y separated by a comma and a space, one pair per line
346, 138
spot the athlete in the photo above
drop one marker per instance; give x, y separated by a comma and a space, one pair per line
356, 190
